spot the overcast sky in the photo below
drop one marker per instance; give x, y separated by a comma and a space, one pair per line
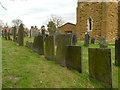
36, 12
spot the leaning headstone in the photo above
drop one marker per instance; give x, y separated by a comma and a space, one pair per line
73, 57
38, 45
5, 34
74, 39
50, 47
87, 38
100, 65
93, 41
63, 40
14, 34
117, 51
21, 35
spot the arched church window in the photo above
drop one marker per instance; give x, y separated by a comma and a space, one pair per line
90, 24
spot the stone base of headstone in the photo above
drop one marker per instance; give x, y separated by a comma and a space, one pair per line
103, 46
117, 51
100, 65
73, 57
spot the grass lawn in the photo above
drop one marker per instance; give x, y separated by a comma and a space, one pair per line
22, 68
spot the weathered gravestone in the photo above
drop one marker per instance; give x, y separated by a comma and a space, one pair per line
21, 35
73, 57
9, 36
2, 34
102, 42
29, 44
38, 45
56, 34
14, 34
100, 65
5, 34
93, 41
50, 47
87, 38
74, 39
63, 40
117, 51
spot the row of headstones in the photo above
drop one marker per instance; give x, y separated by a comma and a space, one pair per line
18, 39
68, 55
101, 42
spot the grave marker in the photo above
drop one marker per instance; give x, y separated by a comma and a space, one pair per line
63, 40
73, 57
50, 47
38, 45
100, 65
117, 51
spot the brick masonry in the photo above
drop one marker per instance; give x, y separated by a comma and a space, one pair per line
104, 17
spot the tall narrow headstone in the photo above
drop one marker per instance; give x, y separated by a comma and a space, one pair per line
73, 57
50, 47
5, 34
93, 41
38, 45
87, 38
9, 36
100, 65
2, 34
117, 51
14, 33
21, 35
63, 40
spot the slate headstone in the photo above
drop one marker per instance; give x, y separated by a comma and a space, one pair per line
73, 57
87, 38
93, 41
50, 47
38, 44
63, 40
100, 65
117, 51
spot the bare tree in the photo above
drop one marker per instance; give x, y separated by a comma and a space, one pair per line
58, 20
2, 6
17, 22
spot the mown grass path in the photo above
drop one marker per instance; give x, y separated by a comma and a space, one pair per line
22, 68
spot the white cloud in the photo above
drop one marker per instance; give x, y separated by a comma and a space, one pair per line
36, 12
